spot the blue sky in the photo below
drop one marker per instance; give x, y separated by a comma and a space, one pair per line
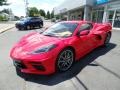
18, 6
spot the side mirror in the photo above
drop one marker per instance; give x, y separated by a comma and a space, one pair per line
82, 33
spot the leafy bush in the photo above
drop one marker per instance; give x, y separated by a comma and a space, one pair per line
3, 18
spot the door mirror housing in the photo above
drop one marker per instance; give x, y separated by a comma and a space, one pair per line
82, 33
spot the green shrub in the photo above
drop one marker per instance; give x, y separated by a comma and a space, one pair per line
1, 18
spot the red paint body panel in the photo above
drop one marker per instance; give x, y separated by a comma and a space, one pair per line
81, 44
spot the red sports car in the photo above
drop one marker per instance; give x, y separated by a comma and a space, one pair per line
59, 46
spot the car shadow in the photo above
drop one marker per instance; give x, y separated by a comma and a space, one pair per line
76, 68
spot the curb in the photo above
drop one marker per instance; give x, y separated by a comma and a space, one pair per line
6, 29
115, 29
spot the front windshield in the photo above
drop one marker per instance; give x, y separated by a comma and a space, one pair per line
61, 30
24, 19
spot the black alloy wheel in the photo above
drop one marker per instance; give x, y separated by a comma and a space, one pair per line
107, 40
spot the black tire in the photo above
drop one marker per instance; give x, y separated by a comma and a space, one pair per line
107, 39
41, 25
64, 63
21, 28
31, 27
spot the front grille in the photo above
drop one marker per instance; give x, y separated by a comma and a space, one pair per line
19, 64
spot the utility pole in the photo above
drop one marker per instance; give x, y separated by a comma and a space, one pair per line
26, 7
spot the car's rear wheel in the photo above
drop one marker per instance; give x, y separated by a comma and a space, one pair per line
41, 25
65, 60
107, 40
28, 27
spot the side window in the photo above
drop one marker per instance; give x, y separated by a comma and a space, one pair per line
86, 26
33, 19
37, 19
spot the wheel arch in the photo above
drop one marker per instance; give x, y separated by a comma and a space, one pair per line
70, 47
110, 32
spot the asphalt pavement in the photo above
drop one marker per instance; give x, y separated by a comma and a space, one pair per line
99, 70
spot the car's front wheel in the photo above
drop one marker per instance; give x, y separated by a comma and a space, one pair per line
21, 28
107, 40
65, 60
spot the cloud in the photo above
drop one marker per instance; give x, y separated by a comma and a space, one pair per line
18, 6
46, 4
17, 2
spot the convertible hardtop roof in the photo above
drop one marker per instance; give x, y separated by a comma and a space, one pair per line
79, 22
95, 24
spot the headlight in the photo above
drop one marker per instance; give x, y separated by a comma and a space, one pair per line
44, 49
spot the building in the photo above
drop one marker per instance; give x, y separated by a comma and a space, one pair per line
94, 10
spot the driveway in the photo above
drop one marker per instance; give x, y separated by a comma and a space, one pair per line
99, 70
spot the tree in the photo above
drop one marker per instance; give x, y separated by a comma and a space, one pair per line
48, 15
42, 12
16, 17
33, 11
3, 2
6, 11
1, 17
57, 16
52, 14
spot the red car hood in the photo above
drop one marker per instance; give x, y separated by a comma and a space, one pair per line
32, 42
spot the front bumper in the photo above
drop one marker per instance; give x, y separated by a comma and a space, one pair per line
19, 26
45, 67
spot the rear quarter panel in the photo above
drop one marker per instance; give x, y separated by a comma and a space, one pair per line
102, 27
101, 30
